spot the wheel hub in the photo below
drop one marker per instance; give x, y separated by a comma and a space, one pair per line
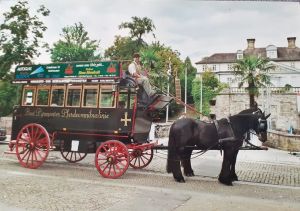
112, 159
30, 146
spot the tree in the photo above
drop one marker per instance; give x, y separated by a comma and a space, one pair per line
20, 36
138, 27
122, 49
210, 89
75, 45
8, 97
253, 72
191, 74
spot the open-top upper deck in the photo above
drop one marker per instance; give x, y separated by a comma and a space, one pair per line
70, 72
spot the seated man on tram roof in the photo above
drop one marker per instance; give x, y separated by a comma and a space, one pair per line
135, 69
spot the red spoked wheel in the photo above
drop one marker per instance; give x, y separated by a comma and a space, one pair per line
140, 158
32, 146
112, 159
73, 157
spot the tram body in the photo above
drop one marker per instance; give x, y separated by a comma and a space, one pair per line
79, 108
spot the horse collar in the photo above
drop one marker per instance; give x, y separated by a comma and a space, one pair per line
221, 140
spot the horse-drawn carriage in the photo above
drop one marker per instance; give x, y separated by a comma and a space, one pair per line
79, 108
89, 107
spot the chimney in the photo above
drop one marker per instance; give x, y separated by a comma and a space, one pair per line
291, 42
251, 43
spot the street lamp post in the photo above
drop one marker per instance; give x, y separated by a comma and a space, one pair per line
168, 89
185, 89
201, 94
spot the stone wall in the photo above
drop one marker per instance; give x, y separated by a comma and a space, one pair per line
283, 107
284, 141
162, 130
6, 122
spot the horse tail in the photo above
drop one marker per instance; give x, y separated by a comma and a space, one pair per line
171, 150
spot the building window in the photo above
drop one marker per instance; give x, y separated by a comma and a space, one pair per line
230, 67
214, 67
204, 67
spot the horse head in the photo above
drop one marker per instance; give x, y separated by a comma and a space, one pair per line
261, 125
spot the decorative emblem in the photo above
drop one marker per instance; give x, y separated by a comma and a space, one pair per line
125, 120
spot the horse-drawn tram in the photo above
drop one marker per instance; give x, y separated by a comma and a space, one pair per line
79, 108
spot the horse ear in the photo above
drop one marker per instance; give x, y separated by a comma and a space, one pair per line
268, 115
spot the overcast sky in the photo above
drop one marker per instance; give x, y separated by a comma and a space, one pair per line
194, 28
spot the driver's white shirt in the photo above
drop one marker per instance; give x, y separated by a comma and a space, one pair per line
133, 68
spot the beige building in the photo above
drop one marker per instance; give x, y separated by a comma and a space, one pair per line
283, 104
286, 59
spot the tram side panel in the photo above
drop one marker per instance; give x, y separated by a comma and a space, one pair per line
71, 123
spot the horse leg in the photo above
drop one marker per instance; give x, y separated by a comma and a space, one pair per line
233, 175
224, 176
186, 163
173, 165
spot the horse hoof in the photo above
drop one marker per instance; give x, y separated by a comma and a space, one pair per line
234, 178
190, 174
225, 182
180, 180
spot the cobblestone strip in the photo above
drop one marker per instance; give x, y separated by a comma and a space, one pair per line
269, 174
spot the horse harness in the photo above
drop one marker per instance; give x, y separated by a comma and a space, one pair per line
226, 139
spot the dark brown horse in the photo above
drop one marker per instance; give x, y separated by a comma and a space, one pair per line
226, 134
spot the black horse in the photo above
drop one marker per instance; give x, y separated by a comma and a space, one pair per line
226, 134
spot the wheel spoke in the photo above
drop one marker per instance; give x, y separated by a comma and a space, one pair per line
27, 151
32, 145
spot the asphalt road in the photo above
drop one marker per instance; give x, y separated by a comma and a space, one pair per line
58, 185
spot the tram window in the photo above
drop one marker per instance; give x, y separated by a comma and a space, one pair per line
107, 96
90, 96
123, 99
73, 98
28, 96
132, 100
58, 96
126, 97
42, 96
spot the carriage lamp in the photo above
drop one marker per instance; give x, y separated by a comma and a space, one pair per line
116, 132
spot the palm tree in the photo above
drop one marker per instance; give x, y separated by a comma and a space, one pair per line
253, 71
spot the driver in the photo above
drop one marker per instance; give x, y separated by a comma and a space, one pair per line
134, 69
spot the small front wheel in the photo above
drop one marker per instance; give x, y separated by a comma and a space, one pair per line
140, 158
112, 159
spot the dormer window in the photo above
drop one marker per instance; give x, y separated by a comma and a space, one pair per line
239, 54
271, 51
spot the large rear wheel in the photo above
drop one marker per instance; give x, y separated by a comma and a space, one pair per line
32, 145
112, 159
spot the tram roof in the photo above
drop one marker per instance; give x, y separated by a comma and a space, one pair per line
70, 72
